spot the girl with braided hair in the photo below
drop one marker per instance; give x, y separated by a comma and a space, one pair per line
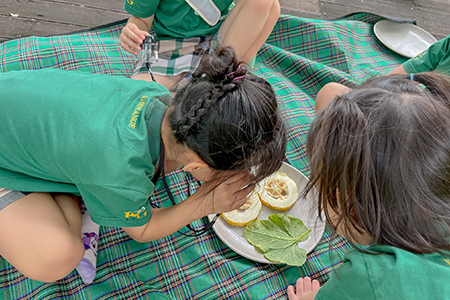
102, 138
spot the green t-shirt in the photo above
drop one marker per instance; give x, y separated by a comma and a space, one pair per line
435, 58
94, 135
175, 19
393, 274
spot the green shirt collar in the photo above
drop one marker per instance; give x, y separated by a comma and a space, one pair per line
154, 124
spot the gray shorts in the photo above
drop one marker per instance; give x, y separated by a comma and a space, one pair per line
9, 196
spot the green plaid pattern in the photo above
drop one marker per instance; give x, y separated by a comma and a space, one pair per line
300, 57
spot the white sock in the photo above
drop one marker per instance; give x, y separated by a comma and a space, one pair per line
89, 233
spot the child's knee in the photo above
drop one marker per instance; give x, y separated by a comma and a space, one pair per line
58, 261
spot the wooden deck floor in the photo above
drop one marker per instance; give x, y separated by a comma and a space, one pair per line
431, 15
20, 18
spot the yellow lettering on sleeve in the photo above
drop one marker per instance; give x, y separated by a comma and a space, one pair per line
418, 56
136, 214
136, 112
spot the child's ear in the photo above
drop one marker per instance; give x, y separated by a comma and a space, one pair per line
195, 163
195, 166
200, 170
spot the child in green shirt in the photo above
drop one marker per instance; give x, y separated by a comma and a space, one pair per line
436, 58
185, 31
379, 158
103, 138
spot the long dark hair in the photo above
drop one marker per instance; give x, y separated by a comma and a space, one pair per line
229, 117
380, 158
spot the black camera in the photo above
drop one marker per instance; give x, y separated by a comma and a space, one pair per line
149, 51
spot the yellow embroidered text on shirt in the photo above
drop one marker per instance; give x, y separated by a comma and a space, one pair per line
418, 56
447, 260
136, 112
136, 214
131, 2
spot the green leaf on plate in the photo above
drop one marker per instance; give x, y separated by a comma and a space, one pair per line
278, 238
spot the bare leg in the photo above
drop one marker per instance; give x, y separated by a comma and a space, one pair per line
328, 93
249, 25
304, 289
41, 235
168, 81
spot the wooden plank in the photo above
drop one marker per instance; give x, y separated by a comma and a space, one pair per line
431, 15
429, 20
302, 8
49, 17
364, 3
338, 8
436, 27
19, 27
62, 13
395, 2
306, 6
439, 7
110, 5
301, 13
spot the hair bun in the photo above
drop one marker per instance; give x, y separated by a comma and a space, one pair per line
222, 68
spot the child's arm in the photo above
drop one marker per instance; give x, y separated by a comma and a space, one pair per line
328, 93
227, 196
305, 289
398, 70
133, 34
436, 57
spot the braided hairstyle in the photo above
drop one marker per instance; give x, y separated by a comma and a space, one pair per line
229, 117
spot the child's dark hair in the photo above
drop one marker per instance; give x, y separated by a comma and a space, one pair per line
229, 117
380, 159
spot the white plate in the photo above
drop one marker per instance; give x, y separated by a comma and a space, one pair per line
403, 38
305, 209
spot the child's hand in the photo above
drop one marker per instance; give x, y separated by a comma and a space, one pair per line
131, 38
304, 289
229, 195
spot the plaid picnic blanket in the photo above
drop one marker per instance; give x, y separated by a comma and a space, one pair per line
299, 57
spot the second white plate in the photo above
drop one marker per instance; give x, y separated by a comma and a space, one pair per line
305, 209
403, 38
